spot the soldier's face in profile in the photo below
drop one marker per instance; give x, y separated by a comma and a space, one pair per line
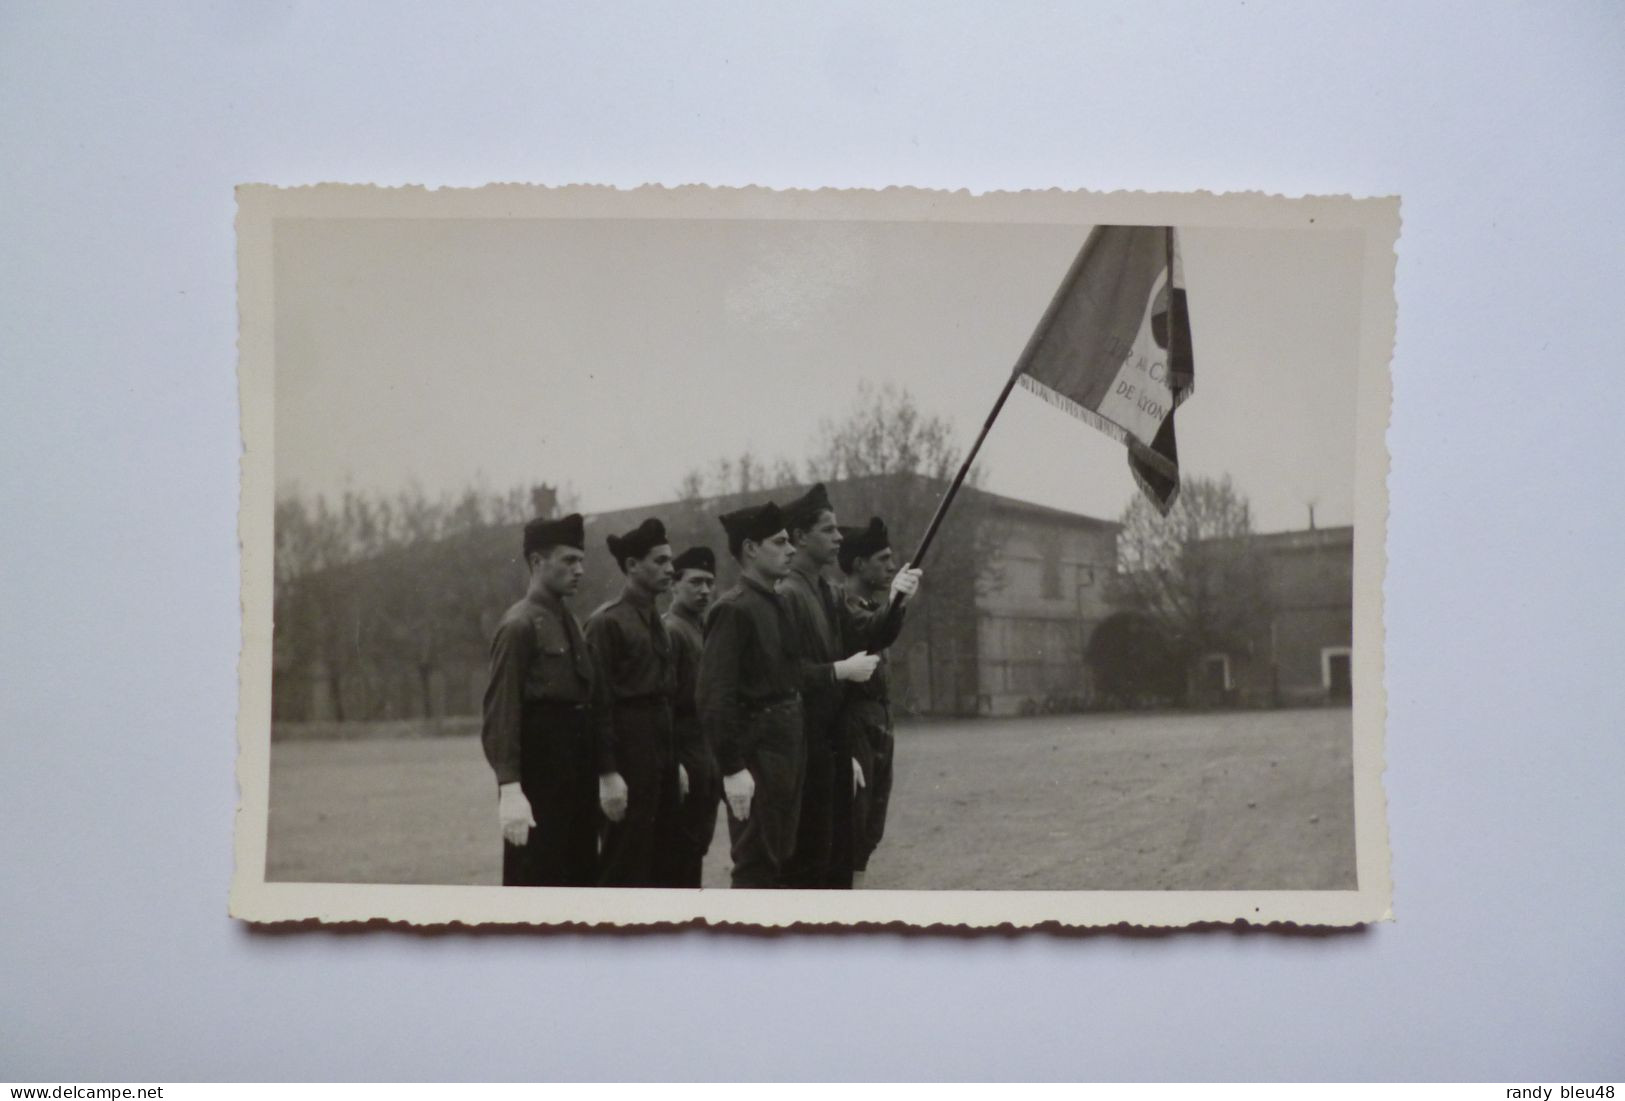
561, 569
821, 541
693, 590
773, 555
877, 570
652, 573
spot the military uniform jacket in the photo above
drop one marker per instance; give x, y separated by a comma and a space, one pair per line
751, 659
878, 687
634, 654
538, 657
688, 644
829, 629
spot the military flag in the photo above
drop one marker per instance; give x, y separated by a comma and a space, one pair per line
1114, 348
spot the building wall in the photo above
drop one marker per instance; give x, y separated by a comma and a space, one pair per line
1310, 577
1034, 627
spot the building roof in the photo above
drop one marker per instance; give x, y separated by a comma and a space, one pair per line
1305, 539
1017, 507
1008, 506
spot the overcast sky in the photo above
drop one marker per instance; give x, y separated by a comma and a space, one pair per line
613, 356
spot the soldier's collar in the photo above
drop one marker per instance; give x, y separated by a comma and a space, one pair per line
757, 585
805, 567
636, 597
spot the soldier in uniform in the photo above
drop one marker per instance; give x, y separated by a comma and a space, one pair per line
826, 629
867, 561
750, 709
543, 730
634, 654
681, 855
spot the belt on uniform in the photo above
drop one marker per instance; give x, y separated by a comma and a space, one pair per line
773, 703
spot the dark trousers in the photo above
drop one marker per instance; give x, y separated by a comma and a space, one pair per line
680, 854
874, 746
646, 758
860, 818
821, 802
776, 756
559, 775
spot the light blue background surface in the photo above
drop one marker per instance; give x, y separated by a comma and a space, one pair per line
124, 128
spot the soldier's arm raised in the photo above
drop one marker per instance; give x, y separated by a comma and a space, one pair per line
878, 629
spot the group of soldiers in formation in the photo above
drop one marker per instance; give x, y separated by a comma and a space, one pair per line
613, 743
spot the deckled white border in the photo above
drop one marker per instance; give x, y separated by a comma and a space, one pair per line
255, 900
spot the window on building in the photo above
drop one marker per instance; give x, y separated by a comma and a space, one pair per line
1335, 673
1216, 672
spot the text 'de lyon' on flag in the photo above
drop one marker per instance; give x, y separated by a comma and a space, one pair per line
1114, 348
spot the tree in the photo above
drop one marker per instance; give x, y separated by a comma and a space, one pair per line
1192, 574
383, 590
1134, 662
895, 462
313, 609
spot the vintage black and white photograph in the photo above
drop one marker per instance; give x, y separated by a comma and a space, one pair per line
812, 557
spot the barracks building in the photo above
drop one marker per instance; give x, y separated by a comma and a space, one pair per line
1013, 644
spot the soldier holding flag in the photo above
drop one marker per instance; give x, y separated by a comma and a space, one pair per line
867, 560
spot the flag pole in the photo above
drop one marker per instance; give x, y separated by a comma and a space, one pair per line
1061, 293
895, 607
964, 469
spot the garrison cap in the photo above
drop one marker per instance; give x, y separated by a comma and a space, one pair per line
544, 535
695, 558
801, 512
859, 543
637, 542
756, 523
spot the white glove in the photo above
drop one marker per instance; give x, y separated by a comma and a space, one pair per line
682, 782
857, 668
739, 789
857, 777
612, 796
513, 814
906, 583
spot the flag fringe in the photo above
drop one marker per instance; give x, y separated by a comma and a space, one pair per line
1109, 427
1137, 450
1083, 413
